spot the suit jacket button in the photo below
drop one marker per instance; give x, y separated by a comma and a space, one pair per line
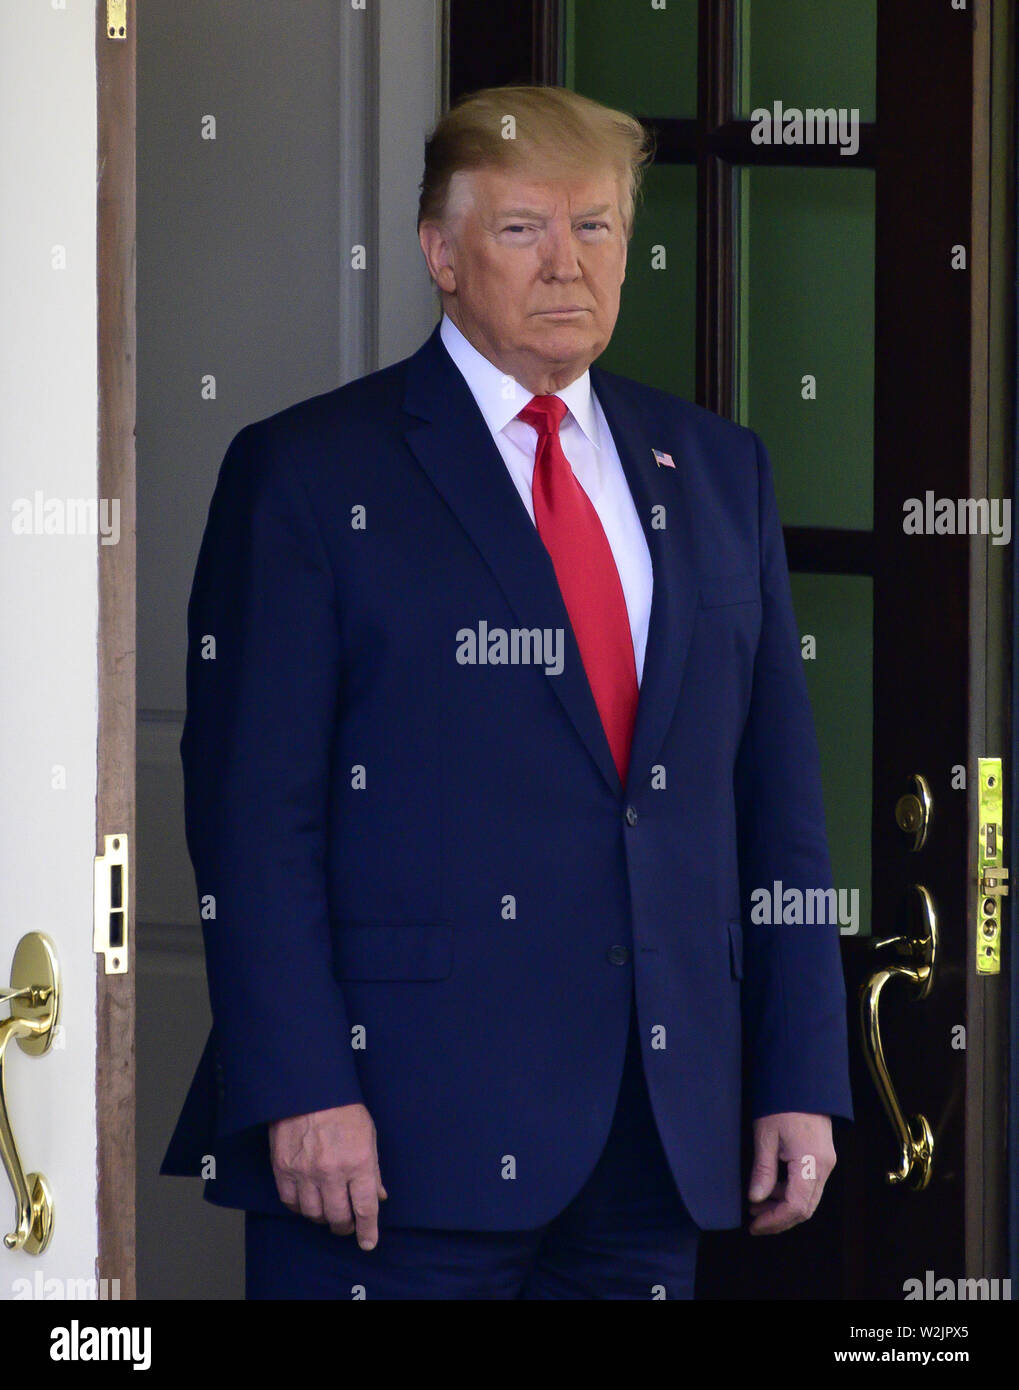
618, 955
631, 815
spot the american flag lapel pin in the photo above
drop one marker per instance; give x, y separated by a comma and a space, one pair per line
663, 460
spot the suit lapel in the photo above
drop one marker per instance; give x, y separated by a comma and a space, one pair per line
453, 445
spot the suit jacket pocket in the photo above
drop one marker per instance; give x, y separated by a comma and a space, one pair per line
729, 588
736, 950
392, 950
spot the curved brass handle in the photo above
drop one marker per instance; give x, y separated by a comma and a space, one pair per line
34, 997
913, 958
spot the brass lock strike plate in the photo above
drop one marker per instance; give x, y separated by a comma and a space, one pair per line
116, 19
110, 905
992, 875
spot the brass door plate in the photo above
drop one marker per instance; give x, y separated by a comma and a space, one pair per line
116, 19
992, 875
34, 1000
111, 907
35, 992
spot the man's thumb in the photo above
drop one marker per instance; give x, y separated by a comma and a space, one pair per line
764, 1173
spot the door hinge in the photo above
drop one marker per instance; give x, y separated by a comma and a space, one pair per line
116, 19
110, 905
992, 875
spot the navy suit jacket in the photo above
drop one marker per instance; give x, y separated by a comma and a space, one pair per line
423, 886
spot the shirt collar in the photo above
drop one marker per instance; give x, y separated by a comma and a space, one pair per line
488, 382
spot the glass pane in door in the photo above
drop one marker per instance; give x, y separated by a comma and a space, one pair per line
805, 336
807, 53
837, 610
655, 340
630, 55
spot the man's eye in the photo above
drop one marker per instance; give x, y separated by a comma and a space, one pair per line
594, 224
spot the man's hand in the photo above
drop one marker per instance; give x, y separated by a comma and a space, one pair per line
804, 1144
327, 1168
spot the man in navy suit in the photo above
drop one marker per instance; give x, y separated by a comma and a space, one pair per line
496, 721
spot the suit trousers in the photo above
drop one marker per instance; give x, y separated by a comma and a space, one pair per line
626, 1235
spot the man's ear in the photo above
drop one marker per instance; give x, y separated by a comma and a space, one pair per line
438, 253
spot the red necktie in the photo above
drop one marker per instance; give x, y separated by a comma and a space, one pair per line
588, 579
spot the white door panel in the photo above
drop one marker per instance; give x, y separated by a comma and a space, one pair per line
48, 590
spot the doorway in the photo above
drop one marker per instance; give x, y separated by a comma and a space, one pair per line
842, 296
823, 252
267, 155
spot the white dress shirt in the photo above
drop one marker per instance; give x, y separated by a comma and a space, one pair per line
588, 445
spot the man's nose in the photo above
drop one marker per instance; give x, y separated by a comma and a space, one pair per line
560, 259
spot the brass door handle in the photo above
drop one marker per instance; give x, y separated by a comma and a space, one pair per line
911, 957
34, 998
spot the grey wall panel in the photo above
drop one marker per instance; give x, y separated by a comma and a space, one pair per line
238, 272
410, 92
244, 273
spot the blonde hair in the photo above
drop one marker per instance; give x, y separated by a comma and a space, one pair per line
553, 131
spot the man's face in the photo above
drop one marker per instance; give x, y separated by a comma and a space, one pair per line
531, 269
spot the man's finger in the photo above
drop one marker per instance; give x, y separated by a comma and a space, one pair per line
774, 1219
795, 1205
310, 1200
336, 1208
774, 1197
771, 1220
364, 1199
287, 1189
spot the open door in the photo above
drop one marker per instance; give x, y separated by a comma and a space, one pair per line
67, 678
843, 289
